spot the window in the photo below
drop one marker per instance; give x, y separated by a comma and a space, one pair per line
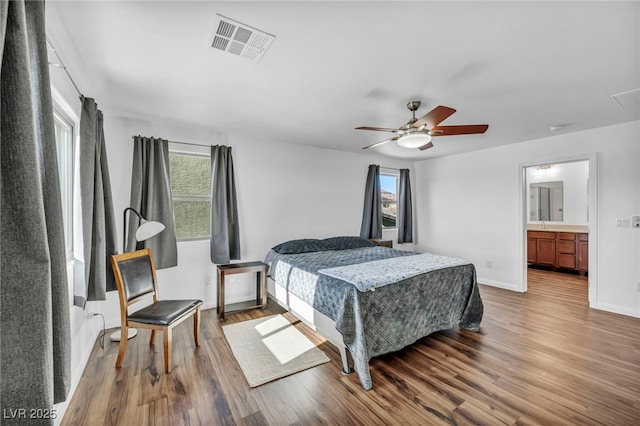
389, 199
64, 146
191, 192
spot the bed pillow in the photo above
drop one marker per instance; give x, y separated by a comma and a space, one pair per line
305, 245
345, 243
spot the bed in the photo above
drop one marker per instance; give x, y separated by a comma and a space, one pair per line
369, 299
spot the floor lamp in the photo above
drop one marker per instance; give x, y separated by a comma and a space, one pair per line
146, 229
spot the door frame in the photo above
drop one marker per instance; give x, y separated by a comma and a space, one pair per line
592, 159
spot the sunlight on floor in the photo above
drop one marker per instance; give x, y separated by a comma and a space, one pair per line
283, 340
272, 325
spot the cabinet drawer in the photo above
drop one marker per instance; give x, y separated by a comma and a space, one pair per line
541, 235
566, 236
567, 261
566, 247
583, 237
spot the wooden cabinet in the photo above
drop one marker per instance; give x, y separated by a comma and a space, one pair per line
532, 251
542, 246
565, 250
582, 256
566, 243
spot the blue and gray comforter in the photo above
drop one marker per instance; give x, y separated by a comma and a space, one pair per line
393, 316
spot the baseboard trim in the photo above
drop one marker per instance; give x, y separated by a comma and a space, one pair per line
499, 284
61, 408
615, 309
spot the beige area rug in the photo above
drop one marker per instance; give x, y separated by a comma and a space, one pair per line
270, 348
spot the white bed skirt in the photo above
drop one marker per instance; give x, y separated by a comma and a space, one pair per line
317, 321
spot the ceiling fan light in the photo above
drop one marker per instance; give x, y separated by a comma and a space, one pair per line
414, 140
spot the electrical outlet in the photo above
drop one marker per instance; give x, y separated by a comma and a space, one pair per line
90, 315
635, 221
489, 264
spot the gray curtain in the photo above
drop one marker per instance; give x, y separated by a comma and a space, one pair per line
225, 229
405, 216
34, 299
372, 213
94, 277
151, 197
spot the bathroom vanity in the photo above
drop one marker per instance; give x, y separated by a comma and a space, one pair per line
559, 248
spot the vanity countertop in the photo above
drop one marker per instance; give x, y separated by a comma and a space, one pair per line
558, 228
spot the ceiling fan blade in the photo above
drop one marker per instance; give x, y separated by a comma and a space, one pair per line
381, 142
434, 117
468, 129
426, 146
379, 129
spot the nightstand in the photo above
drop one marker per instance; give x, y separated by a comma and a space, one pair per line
382, 243
260, 268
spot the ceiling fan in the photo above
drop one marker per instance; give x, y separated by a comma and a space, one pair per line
417, 133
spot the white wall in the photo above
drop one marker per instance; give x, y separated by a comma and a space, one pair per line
468, 206
284, 192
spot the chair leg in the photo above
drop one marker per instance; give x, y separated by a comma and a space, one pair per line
167, 349
153, 338
124, 333
196, 326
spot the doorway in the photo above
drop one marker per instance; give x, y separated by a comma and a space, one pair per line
558, 216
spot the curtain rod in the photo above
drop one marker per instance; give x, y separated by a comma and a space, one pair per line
62, 65
180, 143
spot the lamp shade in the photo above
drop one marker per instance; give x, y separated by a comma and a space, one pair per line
414, 140
147, 229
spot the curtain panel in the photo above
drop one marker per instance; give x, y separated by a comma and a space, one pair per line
34, 298
405, 208
151, 197
94, 276
372, 212
225, 228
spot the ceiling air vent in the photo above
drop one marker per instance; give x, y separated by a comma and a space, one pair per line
240, 39
627, 99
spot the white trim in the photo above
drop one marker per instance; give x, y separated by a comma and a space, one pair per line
185, 152
498, 284
61, 103
592, 158
78, 371
616, 309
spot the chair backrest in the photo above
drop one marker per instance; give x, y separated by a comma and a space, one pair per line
135, 275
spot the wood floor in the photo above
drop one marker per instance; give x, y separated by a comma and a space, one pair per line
541, 358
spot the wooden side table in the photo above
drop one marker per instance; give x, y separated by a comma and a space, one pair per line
382, 243
260, 268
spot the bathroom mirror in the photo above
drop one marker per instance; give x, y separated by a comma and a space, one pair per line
546, 201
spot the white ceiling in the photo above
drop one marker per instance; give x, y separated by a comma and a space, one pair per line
520, 67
